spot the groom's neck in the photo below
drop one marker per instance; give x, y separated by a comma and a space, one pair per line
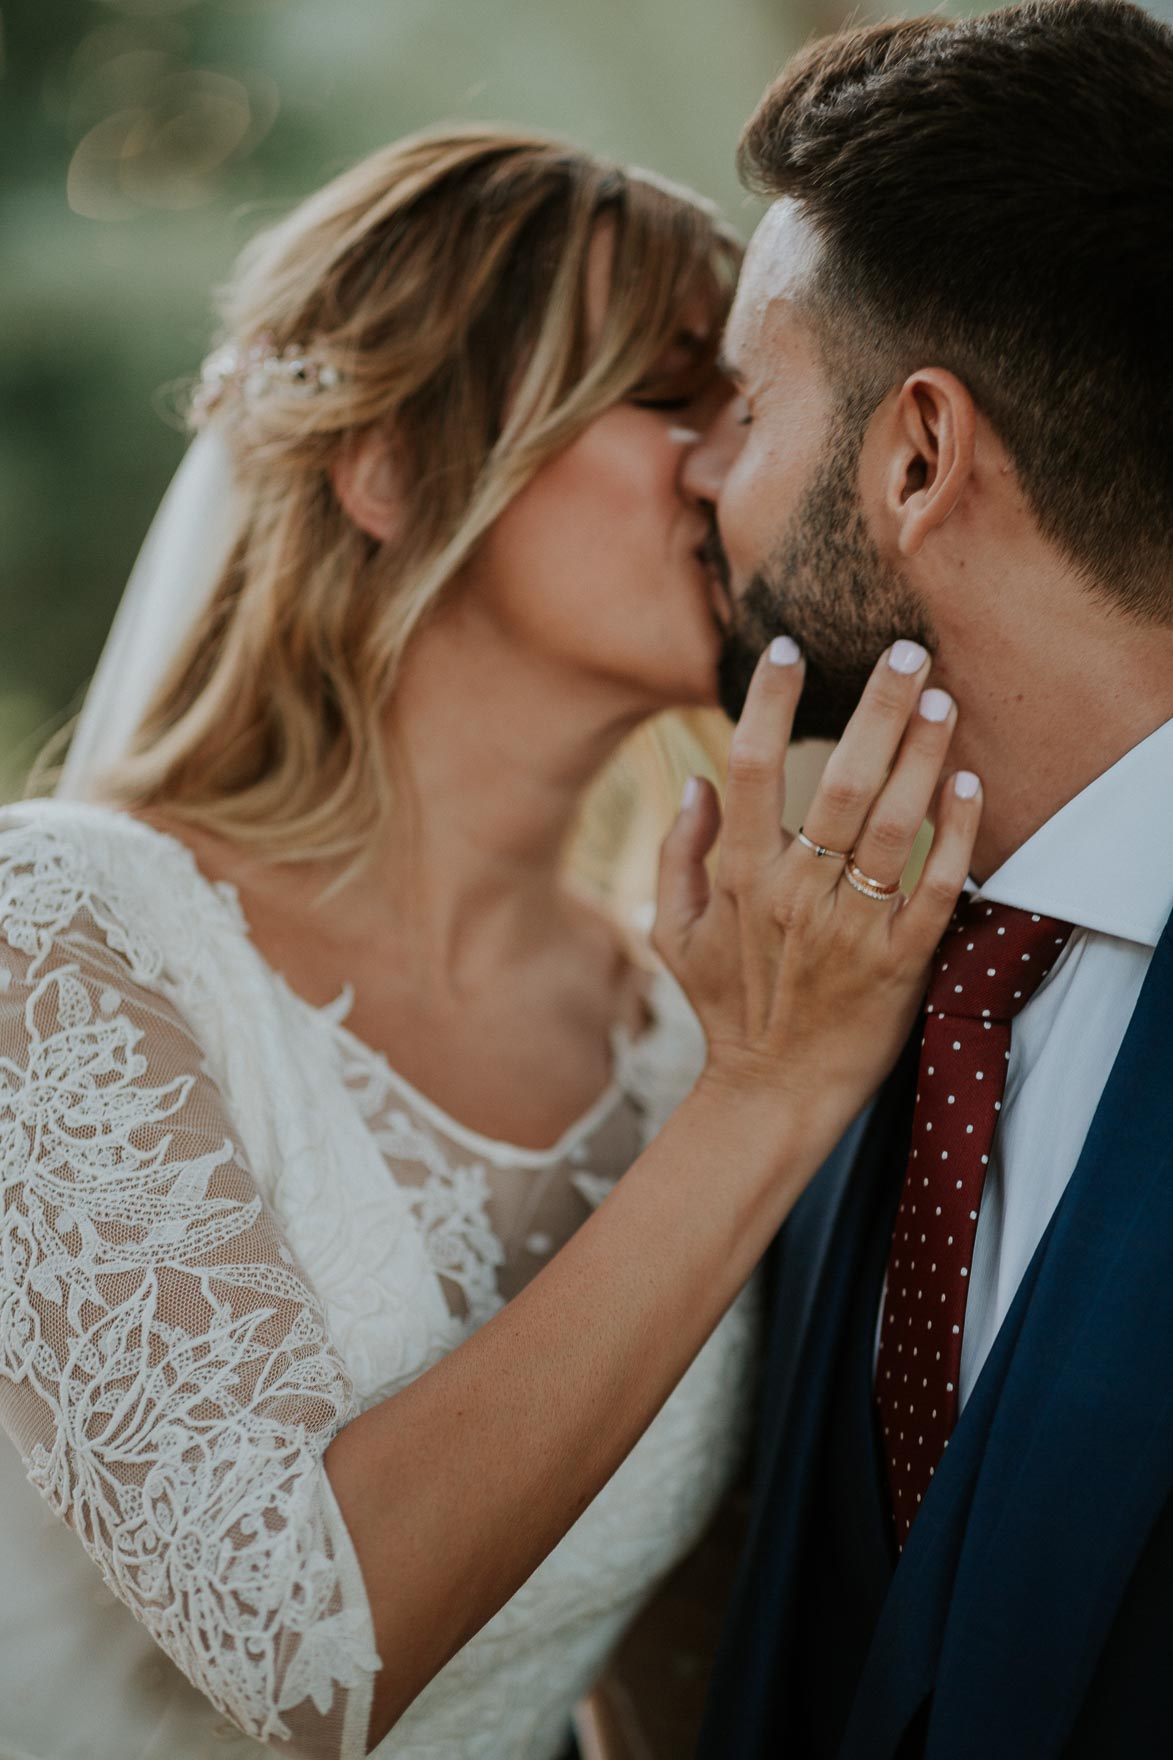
1044, 711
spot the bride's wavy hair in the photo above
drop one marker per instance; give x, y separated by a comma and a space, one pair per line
440, 287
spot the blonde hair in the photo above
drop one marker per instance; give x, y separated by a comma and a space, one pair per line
441, 283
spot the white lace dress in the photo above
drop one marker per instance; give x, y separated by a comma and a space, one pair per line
226, 1228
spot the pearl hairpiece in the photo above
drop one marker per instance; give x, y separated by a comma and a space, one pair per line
257, 369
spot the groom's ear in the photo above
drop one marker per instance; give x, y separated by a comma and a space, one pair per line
368, 482
933, 454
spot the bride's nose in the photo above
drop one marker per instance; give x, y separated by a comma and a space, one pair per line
704, 464
687, 439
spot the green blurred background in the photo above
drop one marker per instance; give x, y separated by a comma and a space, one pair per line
142, 141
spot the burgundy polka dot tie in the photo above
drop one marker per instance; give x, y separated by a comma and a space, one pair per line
989, 964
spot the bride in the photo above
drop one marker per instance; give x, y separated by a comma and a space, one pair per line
329, 1330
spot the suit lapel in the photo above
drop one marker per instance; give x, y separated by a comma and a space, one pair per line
1063, 1456
803, 1254
818, 1250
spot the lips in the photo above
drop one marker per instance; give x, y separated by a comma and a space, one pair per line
719, 604
711, 552
711, 556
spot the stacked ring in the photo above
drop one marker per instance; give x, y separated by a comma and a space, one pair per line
869, 885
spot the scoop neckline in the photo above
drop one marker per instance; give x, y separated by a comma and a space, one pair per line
493, 1148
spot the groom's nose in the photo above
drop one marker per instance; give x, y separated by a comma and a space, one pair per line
706, 464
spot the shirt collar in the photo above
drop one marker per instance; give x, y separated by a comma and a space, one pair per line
1105, 860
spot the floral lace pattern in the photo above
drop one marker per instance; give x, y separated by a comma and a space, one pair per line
155, 1342
450, 1208
205, 1272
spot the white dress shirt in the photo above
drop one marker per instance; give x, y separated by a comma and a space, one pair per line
1103, 862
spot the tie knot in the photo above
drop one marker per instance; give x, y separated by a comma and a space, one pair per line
992, 959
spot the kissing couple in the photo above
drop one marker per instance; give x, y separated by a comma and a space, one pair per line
394, 1236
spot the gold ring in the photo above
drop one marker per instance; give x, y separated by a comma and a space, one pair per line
868, 885
820, 849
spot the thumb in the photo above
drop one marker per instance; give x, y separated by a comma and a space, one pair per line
682, 894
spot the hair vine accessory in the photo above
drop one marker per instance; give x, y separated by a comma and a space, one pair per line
258, 368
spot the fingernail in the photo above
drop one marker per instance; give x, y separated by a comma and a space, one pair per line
907, 657
692, 789
966, 784
935, 705
784, 651
684, 436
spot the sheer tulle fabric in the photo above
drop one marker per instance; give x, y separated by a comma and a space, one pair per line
226, 1228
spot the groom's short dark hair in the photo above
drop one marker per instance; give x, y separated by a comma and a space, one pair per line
995, 195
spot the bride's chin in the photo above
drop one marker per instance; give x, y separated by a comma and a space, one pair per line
691, 690
710, 693
703, 691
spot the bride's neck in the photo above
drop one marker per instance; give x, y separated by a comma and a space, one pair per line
491, 751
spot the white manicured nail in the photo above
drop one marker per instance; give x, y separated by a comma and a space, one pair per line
935, 705
907, 657
692, 789
966, 784
784, 651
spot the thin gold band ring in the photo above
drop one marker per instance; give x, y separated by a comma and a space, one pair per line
820, 849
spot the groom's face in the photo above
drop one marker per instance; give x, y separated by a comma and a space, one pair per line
781, 466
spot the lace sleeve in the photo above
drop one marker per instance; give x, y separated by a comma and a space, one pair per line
165, 1370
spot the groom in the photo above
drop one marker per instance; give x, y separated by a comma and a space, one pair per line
953, 348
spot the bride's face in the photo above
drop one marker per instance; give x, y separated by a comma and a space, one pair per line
594, 566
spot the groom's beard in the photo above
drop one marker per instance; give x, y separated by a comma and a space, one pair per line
829, 588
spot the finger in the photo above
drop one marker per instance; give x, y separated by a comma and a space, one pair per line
859, 765
682, 891
885, 844
755, 787
928, 910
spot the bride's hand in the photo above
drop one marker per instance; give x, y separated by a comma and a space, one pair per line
806, 987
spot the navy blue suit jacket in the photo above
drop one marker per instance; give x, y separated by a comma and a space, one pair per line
1031, 1613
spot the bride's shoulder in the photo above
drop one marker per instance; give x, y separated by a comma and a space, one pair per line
58, 818
61, 858
61, 837
52, 837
